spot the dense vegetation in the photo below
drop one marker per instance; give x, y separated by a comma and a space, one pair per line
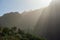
16, 34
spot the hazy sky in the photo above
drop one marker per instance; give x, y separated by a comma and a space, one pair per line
21, 5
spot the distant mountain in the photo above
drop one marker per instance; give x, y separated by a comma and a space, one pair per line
10, 19
31, 18
26, 21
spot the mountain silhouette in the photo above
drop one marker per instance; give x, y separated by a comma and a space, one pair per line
48, 25
44, 22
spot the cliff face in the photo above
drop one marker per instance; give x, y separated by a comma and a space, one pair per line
49, 22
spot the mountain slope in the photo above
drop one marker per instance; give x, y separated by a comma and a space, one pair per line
49, 22
10, 19
26, 21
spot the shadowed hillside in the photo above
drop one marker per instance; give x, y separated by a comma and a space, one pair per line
49, 22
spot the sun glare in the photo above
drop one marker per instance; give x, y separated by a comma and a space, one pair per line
46, 1
39, 3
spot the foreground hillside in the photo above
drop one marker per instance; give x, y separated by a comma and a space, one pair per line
16, 34
48, 24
